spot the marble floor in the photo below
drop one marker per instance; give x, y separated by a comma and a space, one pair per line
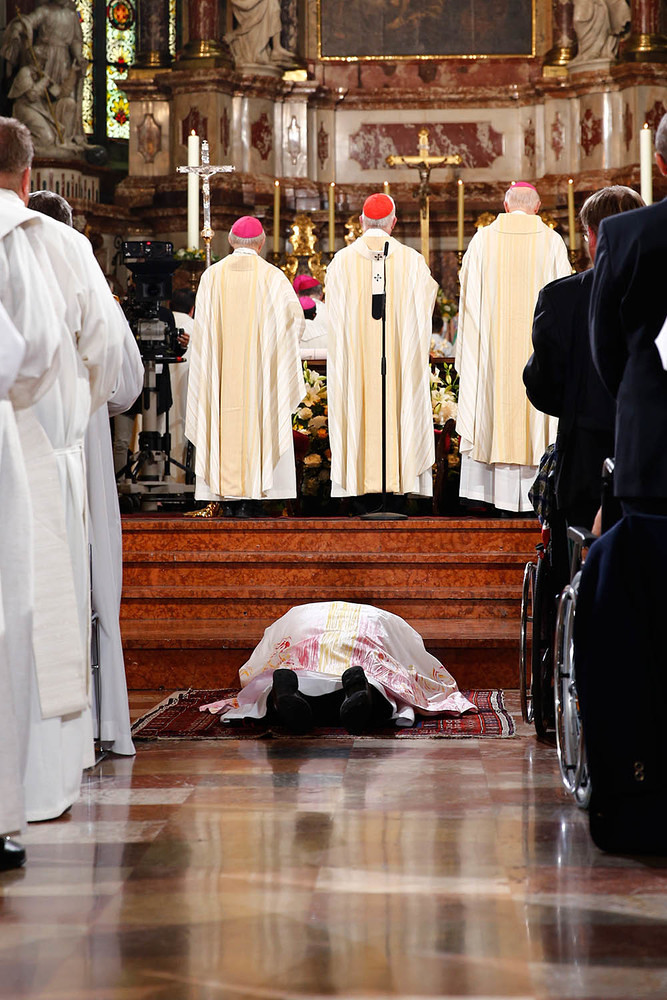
361, 868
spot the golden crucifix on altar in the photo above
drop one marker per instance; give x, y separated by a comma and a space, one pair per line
424, 163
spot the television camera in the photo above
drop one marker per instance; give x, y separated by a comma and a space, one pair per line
151, 264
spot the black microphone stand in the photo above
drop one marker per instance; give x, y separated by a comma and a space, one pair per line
379, 311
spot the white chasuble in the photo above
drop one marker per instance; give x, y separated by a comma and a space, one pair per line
504, 268
354, 384
245, 379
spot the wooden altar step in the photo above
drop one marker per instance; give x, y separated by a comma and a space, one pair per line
198, 595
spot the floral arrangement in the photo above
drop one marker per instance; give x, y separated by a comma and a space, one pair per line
448, 308
444, 394
311, 421
192, 253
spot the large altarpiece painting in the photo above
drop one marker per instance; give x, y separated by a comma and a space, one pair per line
405, 29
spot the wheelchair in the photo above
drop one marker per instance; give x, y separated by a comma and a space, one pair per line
543, 580
570, 746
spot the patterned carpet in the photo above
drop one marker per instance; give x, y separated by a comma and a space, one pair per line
178, 718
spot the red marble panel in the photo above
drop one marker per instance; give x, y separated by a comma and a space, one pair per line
591, 131
477, 143
655, 114
322, 145
261, 136
558, 136
225, 132
628, 126
194, 121
203, 20
529, 142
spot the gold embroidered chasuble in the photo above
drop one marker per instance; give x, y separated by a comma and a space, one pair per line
504, 268
353, 370
245, 376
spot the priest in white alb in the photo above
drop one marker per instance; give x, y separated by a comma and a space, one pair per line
245, 376
354, 360
503, 436
52, 433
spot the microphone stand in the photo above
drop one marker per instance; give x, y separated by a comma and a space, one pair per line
379, 311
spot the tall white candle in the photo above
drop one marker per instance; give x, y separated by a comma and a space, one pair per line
193, 192
646, 164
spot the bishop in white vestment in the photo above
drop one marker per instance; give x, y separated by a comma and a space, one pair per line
245, 376
354, 357
503, 436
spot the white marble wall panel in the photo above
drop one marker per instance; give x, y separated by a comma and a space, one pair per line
557, 137
294, 146
149, 148
324, 141
263, 136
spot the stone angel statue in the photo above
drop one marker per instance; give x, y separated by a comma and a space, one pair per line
599, 25
255, 40
45, 49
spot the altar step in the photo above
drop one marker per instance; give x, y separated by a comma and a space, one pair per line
198, 594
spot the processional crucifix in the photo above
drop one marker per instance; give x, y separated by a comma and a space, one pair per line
206, 171
424, 163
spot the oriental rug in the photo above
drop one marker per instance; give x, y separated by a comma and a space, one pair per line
178, 718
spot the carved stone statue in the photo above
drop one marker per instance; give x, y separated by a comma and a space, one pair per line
599, 25
45, 47
256, 38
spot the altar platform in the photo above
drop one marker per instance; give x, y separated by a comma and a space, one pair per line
198, 594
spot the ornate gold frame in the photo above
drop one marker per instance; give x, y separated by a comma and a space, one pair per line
430, 58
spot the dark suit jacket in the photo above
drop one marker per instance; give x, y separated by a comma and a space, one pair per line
628, 308
560, 379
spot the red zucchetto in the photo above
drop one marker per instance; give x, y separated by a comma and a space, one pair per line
378, 206
247, 228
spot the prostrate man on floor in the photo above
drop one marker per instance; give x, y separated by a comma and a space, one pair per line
354, 362
502, 436
52, 437
245, 378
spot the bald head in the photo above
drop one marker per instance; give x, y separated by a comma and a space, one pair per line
522, 198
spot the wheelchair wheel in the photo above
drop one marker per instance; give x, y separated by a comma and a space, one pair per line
526, 642
542, 646
569, 731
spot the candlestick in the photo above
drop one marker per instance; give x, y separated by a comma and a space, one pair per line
570, 218
459, 234
193, 192
385, 186
646, 164
276, 216
332, 216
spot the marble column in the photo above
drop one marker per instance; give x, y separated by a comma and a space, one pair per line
564, 45
646, 43
204, 31
153, 33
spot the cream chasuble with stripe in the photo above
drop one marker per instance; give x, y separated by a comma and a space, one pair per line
245, 378
504, 268
353, 370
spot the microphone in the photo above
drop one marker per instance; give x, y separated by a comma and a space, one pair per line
378, 283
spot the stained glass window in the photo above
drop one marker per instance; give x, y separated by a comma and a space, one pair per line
109, 45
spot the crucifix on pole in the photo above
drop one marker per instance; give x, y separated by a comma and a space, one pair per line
206, 171
424, 163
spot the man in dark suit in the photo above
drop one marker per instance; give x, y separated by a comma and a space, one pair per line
560, 378
628, 308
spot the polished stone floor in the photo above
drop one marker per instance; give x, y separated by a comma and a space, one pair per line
361, 868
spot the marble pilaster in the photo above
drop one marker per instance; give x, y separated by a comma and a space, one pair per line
646, 42
564, 45
153, 33
204, 35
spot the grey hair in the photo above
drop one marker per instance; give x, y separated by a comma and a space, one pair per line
254, 242
16, 148
522, 197
385, 223
50, 203
661, 138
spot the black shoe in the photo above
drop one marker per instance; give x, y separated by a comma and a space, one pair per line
292, 709
356, 712
12, 855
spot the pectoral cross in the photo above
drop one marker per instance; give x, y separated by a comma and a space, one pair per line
424, 163
206, 171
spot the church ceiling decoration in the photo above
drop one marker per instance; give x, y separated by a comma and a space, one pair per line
477, 143
591, 132
261, 136
194, 122
405, 29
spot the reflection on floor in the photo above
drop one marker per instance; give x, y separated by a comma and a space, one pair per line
366, 869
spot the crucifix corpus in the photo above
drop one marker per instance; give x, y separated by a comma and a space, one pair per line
206, 171
424, 163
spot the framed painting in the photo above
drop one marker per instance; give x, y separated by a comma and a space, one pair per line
425, 29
